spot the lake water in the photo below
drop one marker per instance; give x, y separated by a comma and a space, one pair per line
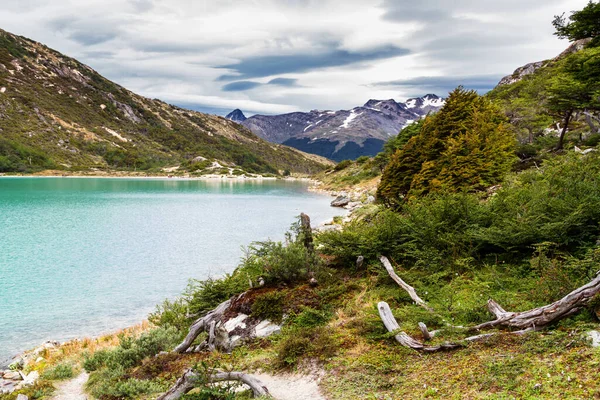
84, 256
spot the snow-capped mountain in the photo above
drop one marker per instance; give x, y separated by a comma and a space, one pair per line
236, 116
344, 134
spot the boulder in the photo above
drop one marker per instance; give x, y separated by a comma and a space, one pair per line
237, 322
12, 375
266, 328
370, 200
594, 337
340, 201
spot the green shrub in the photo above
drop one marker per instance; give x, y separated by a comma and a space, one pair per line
131, 351
269, 306
310, 318
59, 372
342, 165
112, 384
319, 342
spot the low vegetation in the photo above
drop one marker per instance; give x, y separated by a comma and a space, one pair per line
461, 220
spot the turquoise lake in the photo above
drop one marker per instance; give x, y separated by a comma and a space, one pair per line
85, 256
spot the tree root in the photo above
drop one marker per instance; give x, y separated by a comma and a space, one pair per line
191, 379
205, 323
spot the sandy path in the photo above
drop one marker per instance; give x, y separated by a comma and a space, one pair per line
291, 387
72, 389
281, 387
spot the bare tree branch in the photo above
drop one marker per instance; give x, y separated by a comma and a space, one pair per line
409, 289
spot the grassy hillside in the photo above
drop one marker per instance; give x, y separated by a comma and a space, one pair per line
58, 113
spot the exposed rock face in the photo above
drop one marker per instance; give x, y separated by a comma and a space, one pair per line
236, 116
521, 72
344, 134
530, 68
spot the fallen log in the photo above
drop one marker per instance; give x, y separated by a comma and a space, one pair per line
408, 341
409, 289
404, 339
545, 315
192, 379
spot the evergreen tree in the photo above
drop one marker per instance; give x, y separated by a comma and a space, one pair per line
467, 145
581, 24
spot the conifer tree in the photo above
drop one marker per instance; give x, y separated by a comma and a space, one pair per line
467, 145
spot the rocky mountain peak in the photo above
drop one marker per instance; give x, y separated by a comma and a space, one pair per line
236, 116
344, 134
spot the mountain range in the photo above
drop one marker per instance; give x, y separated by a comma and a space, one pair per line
57, 113
343, 134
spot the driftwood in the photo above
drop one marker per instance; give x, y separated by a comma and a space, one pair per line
408, 341
546, 315
409, 289
526, 321
203, 324
191, 379
405, 340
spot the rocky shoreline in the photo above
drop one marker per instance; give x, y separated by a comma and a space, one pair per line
15, 376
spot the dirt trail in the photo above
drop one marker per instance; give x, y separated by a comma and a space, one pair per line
281, 387
292, 387
72, 389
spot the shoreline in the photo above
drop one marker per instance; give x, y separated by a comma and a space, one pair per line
165, 176
313, 186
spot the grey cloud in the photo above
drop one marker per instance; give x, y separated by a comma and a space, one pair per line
263, 66
87, 31
434, 11
90, 38
284, 82
441, 85
142, 6
240, 86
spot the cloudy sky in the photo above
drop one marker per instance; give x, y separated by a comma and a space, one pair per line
276, 56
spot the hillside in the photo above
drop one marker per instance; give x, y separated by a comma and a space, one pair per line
552, 104
57, 113
343, 134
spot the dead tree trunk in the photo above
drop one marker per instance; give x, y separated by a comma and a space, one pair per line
525, 321
191, 379
409, 289
546, 315
405, 340
202, 324
306, 232
561, 138
589, 119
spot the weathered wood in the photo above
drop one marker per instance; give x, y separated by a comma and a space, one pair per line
306, 232
546, 315
426, 334
409, 289
359, 262
211, 336
191, 379
201, 325
407, 341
